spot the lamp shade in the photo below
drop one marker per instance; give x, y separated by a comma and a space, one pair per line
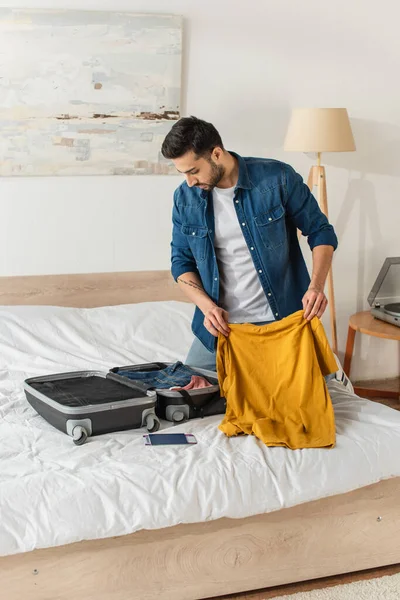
319, 130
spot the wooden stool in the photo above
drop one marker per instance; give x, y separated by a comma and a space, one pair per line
364, 322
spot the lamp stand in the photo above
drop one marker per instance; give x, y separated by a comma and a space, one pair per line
317, 179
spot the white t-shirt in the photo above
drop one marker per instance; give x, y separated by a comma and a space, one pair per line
241, 292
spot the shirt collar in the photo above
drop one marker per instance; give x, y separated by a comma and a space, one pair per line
244, 179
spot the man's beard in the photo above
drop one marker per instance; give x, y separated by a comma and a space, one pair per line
217, 173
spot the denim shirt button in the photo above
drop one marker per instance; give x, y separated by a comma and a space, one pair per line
259, 270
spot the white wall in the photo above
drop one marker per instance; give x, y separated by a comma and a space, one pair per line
245, 65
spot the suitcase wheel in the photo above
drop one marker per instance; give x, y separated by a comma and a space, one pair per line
152, 423
178, 416
79, 435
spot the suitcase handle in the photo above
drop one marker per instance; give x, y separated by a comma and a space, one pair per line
188, 398
133, 383
191, 400
155, 366
198, 409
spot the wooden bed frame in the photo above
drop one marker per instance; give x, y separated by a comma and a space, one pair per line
339, 534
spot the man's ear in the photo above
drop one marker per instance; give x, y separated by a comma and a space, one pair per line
217, 153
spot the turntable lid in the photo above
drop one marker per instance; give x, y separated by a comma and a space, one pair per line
386, 288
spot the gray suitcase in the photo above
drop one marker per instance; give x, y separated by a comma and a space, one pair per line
88, 403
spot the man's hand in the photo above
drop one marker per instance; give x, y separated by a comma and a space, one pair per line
215, 320
314, 300
314, 303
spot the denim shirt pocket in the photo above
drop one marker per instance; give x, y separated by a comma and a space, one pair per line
197, 237
272, 227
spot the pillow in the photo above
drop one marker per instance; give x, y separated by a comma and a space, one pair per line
37, 340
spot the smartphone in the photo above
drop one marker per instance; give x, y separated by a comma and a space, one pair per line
168, 439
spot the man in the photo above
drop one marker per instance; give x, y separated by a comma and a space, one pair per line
235, 251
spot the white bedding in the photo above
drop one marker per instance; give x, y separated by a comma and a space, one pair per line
54, 493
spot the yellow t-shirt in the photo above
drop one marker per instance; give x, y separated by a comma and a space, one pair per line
272, 378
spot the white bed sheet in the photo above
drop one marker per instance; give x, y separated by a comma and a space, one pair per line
54, 493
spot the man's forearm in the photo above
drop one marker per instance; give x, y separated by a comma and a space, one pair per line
191, 285
322, 260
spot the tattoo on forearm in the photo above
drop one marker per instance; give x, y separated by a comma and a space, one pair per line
192, 284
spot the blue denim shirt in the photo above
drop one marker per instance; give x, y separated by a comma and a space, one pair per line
271, 202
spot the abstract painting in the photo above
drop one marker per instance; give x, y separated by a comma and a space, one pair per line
87, 93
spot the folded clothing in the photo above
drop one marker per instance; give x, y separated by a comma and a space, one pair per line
176, 375
196, 383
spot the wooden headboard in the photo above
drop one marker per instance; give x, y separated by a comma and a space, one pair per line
89, 290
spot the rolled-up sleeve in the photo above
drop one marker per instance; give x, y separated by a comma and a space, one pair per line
303, 208
182, 260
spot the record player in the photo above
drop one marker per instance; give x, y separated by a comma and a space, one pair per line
384, 297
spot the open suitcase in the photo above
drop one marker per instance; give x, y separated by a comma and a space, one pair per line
180, 405
86, 403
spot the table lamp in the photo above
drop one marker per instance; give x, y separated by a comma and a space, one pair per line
321, 130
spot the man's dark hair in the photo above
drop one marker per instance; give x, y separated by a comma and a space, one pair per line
190, 133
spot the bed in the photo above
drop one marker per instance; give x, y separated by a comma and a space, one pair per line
114, 520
